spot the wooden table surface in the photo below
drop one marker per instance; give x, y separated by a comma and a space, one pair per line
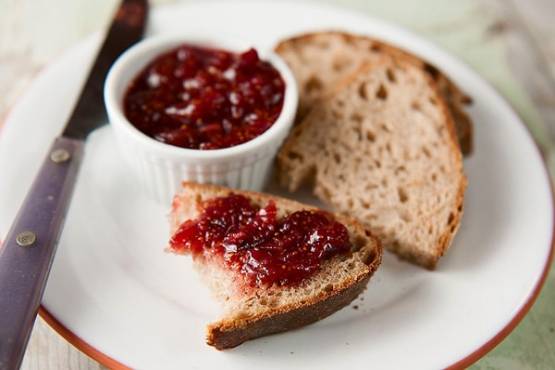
510, 43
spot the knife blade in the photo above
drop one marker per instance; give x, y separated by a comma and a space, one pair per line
126, 28
29, 247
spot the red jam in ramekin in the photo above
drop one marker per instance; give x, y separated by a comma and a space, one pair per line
256, 243
200, 98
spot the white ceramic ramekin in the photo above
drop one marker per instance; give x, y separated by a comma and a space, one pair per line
159, 167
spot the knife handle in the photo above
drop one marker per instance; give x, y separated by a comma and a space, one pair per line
28, 250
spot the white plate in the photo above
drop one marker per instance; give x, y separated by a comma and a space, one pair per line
118, 297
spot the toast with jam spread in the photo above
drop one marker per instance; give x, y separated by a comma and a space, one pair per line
274, 264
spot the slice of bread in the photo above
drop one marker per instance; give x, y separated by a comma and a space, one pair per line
252, 312
320, 60
382, 149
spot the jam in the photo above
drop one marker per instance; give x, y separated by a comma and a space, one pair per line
256, 243
200, 98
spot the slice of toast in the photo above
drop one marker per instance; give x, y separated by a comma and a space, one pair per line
252, 312
383, 149
320, 60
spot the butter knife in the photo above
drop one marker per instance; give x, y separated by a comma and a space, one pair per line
29, 247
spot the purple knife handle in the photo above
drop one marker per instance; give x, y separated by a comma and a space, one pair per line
28, 250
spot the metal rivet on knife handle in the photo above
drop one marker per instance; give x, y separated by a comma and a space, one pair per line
60, 156
26, 238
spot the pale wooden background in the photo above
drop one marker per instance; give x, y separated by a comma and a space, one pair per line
520, 33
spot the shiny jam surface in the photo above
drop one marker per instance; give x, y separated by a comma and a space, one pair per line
253, 241
200, 98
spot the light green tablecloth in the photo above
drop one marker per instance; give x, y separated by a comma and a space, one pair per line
463, 27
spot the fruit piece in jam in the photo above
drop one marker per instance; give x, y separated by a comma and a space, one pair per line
259, 245
201, 98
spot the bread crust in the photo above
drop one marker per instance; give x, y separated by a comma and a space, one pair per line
454, 97
230, 332
444, 241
